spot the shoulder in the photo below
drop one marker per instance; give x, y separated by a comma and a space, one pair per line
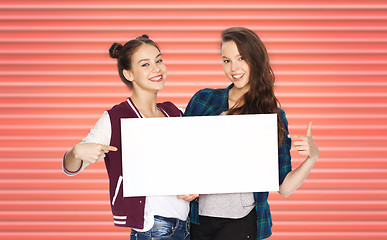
208, 94
171, 108
168, 104
281, 113
207, 101
118, 106
122, 110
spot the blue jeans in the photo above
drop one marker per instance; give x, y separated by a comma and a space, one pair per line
165, 229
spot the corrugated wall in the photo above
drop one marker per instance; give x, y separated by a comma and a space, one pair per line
56, 79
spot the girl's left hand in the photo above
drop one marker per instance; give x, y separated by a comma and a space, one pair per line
188, 198
305, 144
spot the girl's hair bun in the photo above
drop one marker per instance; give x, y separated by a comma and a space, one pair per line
144, 36
114, 50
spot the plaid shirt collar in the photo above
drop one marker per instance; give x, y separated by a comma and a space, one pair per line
220, 104
201, 105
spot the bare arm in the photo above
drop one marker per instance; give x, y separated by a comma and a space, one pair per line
305, 146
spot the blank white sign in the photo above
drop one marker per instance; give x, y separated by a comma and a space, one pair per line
199, 155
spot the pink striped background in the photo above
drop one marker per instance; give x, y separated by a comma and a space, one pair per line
56, 79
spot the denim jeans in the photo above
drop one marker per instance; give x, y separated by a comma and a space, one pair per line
165, 229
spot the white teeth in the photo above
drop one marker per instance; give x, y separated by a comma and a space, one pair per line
237, 76
156, 78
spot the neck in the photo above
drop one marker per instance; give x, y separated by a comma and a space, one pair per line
236, 93
145, 101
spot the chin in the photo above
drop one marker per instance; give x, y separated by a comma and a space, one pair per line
160, 87
240, 84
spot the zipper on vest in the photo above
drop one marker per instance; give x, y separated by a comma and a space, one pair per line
117, 189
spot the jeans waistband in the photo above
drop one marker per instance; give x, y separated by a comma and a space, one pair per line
174, 221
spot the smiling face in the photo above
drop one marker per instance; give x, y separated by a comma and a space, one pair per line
234, 65
148, 69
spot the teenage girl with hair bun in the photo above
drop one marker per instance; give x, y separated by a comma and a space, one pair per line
140, 66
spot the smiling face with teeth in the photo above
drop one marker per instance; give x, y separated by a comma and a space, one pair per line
234, 65
148, 69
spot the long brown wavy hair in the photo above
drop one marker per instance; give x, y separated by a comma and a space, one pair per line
260, 98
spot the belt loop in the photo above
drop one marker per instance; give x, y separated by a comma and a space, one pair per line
177, 223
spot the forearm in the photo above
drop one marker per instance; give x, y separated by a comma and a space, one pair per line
295, 178
71, 162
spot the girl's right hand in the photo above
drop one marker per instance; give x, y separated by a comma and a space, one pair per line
188, 197
91, 152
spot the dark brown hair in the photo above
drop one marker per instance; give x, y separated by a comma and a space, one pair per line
260, 98
124, 54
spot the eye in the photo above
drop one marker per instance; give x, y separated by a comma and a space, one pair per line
226, 61
145, 65
159, 61
241, 59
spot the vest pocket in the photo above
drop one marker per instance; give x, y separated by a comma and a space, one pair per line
119, 182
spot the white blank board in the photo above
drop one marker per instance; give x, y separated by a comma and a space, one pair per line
199, 155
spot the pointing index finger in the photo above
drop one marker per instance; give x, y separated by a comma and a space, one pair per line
106, 149
114, 149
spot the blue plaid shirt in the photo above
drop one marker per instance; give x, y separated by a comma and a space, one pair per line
209, 102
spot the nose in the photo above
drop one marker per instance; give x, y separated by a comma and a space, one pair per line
156, 68
234, 66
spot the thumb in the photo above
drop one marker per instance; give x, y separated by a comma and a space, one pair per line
309, 130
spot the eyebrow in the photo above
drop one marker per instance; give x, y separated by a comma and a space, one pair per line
236, 56
147, 59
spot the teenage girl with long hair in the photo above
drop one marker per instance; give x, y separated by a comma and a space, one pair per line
246, 215
141, 67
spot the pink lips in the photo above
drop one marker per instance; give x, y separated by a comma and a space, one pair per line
158, 78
